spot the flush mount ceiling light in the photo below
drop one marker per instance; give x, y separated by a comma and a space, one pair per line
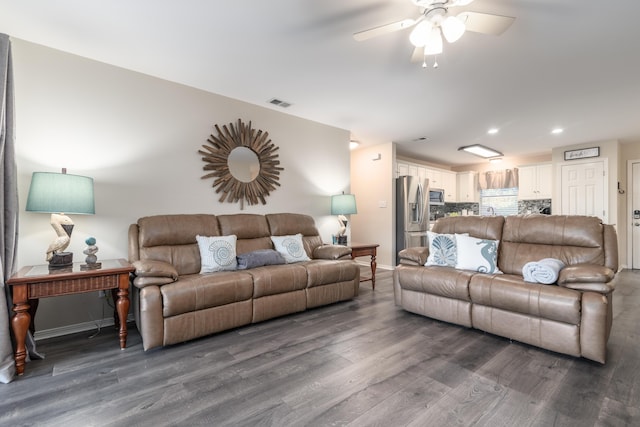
434, 22
353, 144
481, 151
557, 131
493, 131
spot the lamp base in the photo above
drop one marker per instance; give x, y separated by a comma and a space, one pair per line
340, 240
61, 260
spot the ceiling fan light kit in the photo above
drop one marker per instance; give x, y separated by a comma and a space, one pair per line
434, 22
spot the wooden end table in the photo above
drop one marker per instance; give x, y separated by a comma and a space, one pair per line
37, 281
366, 249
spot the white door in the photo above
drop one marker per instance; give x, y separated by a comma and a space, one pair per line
635, 215
583, 189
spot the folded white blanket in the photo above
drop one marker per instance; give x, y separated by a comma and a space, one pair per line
544, 271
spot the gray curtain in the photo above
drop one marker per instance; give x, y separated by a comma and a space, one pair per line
9, 205
506, 178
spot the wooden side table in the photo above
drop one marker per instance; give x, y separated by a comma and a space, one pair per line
33, 282
366, 249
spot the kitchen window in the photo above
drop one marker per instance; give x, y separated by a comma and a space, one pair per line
499, 201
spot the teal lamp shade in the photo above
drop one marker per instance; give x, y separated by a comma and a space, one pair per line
343, 204
61, 193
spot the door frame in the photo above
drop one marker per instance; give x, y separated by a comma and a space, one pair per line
629, 224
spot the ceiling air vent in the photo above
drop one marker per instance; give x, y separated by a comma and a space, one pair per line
279, 103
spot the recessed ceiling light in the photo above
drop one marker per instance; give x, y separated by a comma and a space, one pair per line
493, 131
557, 131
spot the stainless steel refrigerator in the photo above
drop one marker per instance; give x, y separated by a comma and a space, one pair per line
412, 212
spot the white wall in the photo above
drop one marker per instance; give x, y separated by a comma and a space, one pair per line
372, 182
138, 137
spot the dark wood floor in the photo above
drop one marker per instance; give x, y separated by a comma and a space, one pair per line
363, 362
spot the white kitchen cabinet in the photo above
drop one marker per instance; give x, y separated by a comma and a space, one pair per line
468, 187
535, 181
403, 169
435, 178
450, 186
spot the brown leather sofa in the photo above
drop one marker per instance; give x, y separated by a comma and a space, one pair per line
173, 302
572, 316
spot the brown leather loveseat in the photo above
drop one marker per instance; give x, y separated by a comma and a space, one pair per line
571, 316
173, 302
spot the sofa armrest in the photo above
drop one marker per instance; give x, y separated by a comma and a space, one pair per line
152, 272
331, 252
587, 277
414, 256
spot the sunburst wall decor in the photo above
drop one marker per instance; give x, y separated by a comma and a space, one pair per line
216, 156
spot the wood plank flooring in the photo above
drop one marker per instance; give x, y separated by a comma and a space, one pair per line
359, 363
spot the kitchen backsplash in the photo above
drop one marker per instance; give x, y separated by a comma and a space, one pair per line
524, 207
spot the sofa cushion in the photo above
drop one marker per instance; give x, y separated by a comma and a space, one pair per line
200, 291
284, 224
252, 231
477, 254
290, 247
217, 253
570, 238
483, 227
323, 272
510, 292
172, 239
442, 281
278, 279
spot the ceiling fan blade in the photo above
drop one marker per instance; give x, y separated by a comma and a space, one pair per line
384, 29
486, 23
418, 55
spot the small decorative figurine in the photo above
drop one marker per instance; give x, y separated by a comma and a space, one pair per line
90, 251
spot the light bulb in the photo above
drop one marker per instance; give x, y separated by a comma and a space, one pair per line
453, 28
433, 46
420, 34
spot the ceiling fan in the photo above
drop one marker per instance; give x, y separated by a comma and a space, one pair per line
434, 21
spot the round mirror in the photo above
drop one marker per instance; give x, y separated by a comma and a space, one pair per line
244, 164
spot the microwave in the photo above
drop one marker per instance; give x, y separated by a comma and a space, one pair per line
436, 196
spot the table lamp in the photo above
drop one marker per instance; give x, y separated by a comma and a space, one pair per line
341, 205
60, 194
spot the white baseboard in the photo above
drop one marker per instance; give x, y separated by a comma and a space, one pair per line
378, 266
75, 328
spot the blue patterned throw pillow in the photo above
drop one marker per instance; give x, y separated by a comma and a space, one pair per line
479, 255
217, 253
442, 249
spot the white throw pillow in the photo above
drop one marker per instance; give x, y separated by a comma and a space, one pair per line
442, 249
217, 253
290, 247
477, 254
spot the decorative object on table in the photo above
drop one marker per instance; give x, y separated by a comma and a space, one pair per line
91, 261
60, 194
243, 163
341, 205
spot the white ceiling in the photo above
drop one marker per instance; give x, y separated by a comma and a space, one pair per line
570, 63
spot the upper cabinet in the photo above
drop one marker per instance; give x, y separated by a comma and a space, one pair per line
535, 181
438, 178
450, 186
468, 187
